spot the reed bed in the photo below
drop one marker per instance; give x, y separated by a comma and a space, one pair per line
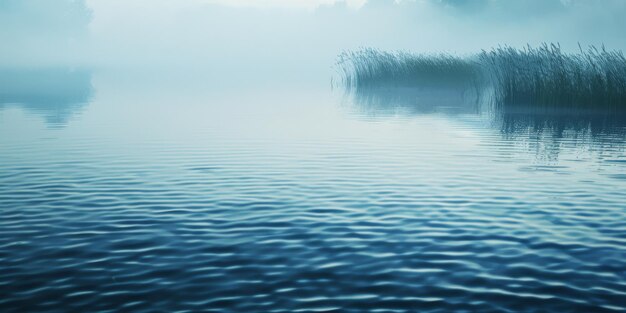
544, 76
547, 76
375, 68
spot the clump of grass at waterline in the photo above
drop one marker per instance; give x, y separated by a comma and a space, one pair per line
550, 77
543, 76
372, 68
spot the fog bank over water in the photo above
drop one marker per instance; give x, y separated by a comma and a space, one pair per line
285, 37
40, 33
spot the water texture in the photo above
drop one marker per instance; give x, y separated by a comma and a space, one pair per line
151, 195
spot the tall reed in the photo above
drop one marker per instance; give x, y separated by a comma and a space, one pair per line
375, 68
544, 76
547, 76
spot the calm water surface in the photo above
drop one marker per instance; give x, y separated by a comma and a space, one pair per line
152, 193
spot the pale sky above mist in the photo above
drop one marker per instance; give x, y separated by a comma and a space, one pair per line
306, 4
262, 35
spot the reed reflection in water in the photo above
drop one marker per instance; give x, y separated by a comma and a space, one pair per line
545, 128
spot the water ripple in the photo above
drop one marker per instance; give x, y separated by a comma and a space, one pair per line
381, 215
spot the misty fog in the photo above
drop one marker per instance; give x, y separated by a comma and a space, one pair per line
283, 36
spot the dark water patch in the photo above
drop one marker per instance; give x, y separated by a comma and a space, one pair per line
615, 161
618, 176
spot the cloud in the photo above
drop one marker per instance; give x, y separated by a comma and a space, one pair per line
306, 4
260, 35
68, 16
41, 31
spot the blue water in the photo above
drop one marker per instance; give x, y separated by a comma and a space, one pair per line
155, 193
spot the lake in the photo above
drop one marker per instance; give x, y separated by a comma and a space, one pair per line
151, 191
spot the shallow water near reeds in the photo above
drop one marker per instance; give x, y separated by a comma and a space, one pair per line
143, 192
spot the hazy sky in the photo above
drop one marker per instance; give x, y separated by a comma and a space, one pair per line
304, 4
280, 35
